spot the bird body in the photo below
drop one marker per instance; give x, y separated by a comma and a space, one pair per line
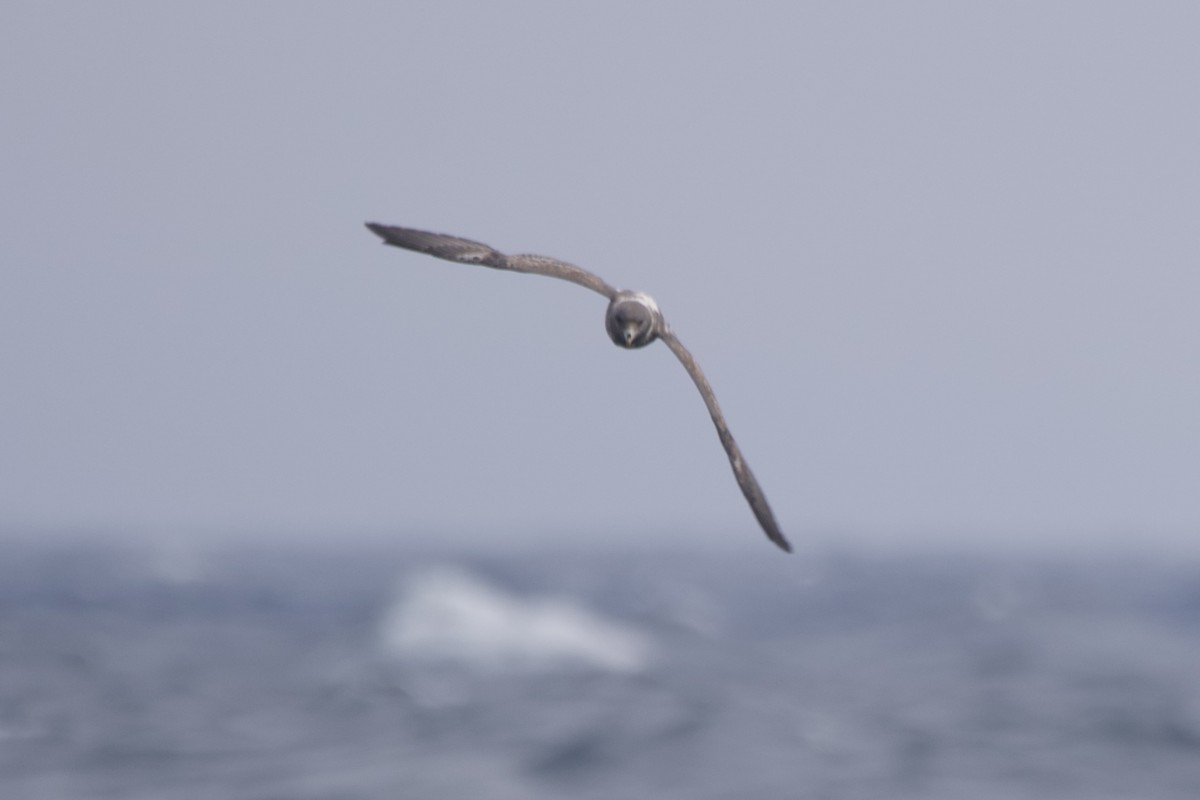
632, 320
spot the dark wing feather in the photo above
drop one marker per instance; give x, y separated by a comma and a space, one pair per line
465, 251
741, 470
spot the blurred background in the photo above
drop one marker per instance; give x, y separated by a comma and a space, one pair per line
284, 512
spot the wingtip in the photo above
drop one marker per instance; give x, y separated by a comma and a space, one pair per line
782, 543
376, 228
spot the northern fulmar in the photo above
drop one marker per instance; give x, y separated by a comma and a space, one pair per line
633, 320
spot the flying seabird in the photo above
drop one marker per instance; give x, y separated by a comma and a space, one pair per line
633, 320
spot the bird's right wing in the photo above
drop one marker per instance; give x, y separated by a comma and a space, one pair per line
465, 251
741, 470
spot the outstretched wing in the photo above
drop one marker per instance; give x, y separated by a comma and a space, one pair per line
741, 470
465, 251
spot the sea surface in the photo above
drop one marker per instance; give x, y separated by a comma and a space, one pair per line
333, 672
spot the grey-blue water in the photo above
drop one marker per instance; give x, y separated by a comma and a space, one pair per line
307, 673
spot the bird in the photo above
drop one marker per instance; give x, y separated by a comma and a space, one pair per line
632, 320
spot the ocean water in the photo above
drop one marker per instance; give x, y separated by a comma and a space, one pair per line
275, 673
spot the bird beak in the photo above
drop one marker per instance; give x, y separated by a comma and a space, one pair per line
629, 334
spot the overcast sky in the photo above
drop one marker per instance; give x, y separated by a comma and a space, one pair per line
940, 261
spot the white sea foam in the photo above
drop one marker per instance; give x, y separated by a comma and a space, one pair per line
447, 614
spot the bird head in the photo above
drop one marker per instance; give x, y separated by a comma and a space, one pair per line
633, 320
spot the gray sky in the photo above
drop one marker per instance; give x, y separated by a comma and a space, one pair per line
941, 263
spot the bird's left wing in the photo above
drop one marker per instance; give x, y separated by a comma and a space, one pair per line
741, 470
465, 251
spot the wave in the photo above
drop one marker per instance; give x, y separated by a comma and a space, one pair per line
448, 614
